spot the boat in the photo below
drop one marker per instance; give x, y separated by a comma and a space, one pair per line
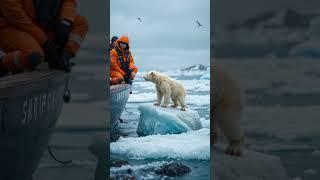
30, 104
119, 95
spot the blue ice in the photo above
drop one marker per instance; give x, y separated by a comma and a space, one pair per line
160, 120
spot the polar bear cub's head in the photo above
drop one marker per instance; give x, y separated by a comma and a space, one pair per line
151, 76
154, 76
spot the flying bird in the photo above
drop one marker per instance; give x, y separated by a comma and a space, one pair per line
139, 19
199, 25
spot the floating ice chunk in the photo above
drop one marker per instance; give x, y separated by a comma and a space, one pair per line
310, 172
253, 166
189, 145
316, 153
314, 29
159, 120
142, 97
309, 49
198, 100
205, 77
205, 122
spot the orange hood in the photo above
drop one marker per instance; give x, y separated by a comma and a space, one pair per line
124, 39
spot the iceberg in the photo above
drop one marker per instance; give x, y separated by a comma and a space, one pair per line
159, 120
252, 165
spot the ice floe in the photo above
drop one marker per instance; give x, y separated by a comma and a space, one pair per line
159, 120
252, 165
189, 145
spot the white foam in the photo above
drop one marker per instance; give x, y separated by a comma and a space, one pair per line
189, 145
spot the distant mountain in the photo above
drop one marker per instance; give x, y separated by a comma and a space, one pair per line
288, 18
196, 67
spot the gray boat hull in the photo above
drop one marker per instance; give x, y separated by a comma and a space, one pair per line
30, 105
119, 95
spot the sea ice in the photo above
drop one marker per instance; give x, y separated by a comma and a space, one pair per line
189, 145
310, 48
310, 172
252, 165
197, 100
159, 120
205, 77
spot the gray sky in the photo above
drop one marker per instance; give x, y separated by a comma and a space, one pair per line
228, 11
167, 37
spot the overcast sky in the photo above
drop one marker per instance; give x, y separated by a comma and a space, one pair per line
228, 11
167, 37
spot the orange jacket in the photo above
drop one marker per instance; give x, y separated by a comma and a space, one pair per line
115, 64
22, 15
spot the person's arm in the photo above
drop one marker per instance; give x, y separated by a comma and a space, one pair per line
68, 10
114, 62
63, 27
16, 16
132, 66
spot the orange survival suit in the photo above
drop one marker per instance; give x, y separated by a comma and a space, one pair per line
35, 30
122, 66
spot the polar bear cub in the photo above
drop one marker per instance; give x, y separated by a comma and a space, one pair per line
227, 103
167, 88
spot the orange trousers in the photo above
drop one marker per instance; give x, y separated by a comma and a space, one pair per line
24, 52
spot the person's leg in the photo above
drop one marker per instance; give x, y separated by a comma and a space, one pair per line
116, 77
22, 50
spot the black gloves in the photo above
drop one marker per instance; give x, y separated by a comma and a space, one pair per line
62, 30
52, 54
56, 57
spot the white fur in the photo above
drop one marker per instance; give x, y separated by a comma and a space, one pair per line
167, 88
227, 105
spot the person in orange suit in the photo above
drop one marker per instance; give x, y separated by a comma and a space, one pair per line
32, 31
122, 66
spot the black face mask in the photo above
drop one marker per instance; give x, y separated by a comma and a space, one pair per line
47, 11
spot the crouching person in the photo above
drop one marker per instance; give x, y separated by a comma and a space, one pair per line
122, 68
34, 31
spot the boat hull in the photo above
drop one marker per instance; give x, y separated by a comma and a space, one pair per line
30, 105
119, 95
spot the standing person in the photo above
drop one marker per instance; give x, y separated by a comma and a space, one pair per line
32, 31
122, 66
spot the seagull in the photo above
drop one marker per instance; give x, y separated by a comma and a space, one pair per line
139, 19
199, 25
